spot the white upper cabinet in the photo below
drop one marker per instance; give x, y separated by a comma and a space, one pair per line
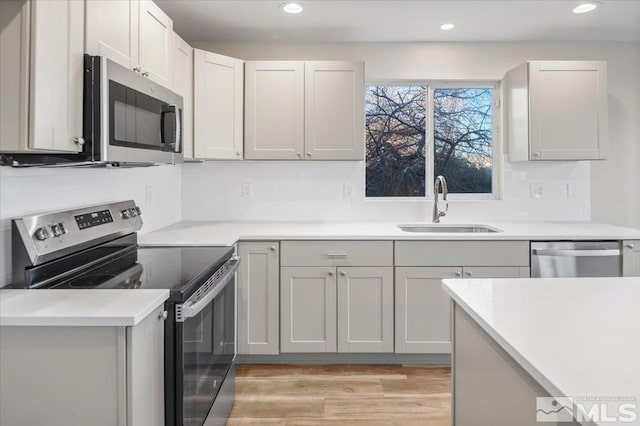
112, 30
155, 35
334, 110
274, 110
183, 86
218, 105
557, 110
312, 110
134, 33
42, 76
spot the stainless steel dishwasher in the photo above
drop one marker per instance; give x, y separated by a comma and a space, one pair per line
575, 259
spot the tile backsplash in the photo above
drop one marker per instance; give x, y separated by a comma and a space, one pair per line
334, 191
25, 191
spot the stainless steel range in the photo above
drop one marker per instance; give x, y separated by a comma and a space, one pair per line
96, 247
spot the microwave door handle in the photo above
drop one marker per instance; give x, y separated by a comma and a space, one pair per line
165, 110
178, 128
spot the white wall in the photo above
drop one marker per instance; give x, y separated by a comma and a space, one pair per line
26, 191
314, 191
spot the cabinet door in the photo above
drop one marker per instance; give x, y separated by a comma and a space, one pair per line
15, 19
423, 313
155, 34
145, 371
334, 110
258, 300
57, 70
365, 309
568, 110
631, 258
112, 30
274, 110
183, 86
307, 309
496, 272
218, 104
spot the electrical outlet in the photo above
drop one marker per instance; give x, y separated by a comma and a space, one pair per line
536, 190
247, 189
347, 190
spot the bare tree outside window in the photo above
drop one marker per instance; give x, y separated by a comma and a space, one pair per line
396, 139
463, 138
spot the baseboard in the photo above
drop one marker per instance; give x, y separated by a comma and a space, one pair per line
346, 358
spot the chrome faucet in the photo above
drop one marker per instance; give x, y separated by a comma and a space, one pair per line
440, 183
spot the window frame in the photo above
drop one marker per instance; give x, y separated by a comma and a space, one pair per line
496, 151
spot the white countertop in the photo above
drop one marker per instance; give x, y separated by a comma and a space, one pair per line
114, 308
228, 233
575, 336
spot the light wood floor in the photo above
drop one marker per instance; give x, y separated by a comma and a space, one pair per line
371, 395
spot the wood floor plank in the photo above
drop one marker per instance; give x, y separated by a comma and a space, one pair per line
354, 395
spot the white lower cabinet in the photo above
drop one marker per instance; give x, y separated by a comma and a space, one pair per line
258, 301
365, 309
83, 375
423, 309
308, 309
344, 309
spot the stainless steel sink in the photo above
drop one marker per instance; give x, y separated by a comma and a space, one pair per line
443, 228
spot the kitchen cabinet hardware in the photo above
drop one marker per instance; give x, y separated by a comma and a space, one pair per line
272, 248
458, 274
336, 254
469, 273
331, 273
630, 246
163, 315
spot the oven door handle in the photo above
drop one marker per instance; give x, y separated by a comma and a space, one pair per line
190, 309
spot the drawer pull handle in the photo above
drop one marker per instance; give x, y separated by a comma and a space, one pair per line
330, 273
272, 248
336, 254
630, 246
458, 274
343, 273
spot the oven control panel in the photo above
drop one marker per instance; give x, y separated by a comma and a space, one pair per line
52, 235
91, 219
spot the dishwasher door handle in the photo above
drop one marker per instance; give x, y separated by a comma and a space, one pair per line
575, 252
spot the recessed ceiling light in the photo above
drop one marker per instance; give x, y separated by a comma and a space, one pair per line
291, 7
446, 27
585, 7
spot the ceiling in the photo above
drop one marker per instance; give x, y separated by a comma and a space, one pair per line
403, 20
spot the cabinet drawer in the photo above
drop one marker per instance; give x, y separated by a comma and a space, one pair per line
462, 253
336, 253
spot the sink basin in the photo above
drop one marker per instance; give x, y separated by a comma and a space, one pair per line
445, 228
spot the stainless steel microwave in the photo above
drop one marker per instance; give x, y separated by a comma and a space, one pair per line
128, 118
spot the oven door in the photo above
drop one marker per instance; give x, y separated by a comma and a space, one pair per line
207, 349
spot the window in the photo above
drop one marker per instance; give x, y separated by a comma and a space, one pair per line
417, 132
